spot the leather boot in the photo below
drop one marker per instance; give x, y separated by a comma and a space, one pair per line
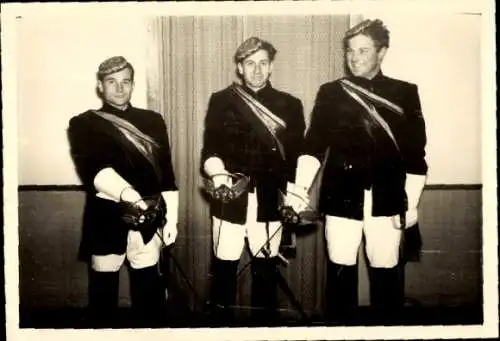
148, 298
223, 291
386, 295
264, 291
341, 293
103, 298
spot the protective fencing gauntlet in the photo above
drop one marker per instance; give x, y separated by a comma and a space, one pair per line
145, 221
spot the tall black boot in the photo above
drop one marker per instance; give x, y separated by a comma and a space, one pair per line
341, 293
223, 291
386, 295
148, 298
264, 291
103, 298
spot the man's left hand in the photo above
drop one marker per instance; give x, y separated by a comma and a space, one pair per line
296, 197
169, 233
411, 217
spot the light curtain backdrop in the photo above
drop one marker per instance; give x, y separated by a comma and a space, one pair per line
59, 82
179, 61
191, 57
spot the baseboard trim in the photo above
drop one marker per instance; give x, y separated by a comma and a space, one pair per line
44, 188
453, 187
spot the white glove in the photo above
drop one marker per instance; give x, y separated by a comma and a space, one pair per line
307, 167
169, 232
215, 168
414, 186
296, 197
111, 186
223, 179
411, 217
129, 194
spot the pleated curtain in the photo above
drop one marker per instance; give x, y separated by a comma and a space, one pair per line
189, 58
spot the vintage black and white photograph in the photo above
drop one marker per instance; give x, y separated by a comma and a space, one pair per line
218, 168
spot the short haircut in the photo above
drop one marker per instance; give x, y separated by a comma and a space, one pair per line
112, 65
252, 45
375, 29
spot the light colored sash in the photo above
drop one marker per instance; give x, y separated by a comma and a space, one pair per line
142, 142
271, 122
373, 112
372, 96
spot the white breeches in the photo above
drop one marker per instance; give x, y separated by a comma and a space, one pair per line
382, 238
138, 254
229, 238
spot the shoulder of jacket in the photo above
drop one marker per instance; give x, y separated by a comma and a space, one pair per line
84, 116
331, 86
148, 112
219, 96
286, 96
400, 82
222, 93
82, 122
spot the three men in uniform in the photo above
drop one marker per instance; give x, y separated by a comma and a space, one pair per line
366, 128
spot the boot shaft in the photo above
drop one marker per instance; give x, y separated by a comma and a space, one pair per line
341, 292
148, 296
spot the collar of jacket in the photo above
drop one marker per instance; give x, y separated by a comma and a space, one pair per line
115, 111
257, 94
368, 83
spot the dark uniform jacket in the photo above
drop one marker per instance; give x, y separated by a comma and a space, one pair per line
95, 146
362, 156
229, 136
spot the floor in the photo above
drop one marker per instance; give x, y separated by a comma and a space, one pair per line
182, 318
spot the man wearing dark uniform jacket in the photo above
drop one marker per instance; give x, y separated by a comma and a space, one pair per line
122, 155
371, 130
255, 130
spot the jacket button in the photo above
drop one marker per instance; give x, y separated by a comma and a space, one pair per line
274, 149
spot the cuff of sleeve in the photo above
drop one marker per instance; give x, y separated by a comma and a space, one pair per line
172, 202
414, 187
214, 165
110, 184
307, 167
411, 217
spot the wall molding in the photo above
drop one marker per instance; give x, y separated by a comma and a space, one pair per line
453, 187
44, 188
78, 188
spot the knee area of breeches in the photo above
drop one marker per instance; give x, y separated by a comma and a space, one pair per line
144, 260
227, 257
341, 259
228, 239
387, 263
343, 239
229, 250
107, 263
382, 256
382, 247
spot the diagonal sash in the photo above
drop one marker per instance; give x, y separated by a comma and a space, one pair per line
373, 113
372, 97
272, 123
142, 142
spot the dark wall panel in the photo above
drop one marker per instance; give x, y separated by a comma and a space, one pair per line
449, 273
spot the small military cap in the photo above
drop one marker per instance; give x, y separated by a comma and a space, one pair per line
365, 24
252, 45
112, 65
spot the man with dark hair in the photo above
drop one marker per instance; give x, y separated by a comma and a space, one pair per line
122, 155
370, 130
255, 130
